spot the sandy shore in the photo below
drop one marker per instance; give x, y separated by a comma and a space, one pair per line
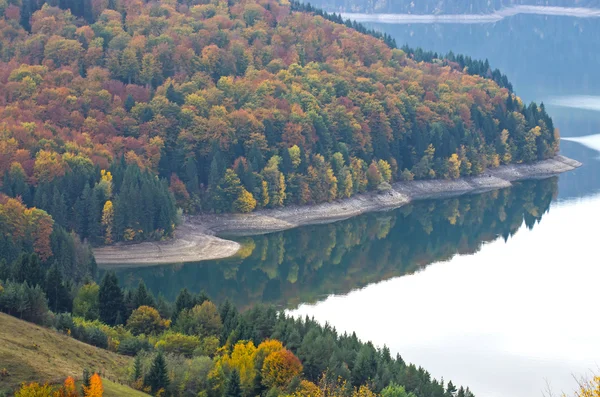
195, 239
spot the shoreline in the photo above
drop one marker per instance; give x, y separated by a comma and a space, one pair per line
496, 16
195, 239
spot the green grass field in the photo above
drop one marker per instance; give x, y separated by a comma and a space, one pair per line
31, 353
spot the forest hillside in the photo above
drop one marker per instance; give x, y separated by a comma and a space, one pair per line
114, 114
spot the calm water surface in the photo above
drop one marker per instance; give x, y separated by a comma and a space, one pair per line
495, 291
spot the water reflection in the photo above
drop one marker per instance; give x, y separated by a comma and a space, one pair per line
307, 264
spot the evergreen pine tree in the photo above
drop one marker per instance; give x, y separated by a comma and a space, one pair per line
81, 212
233, 385
451, 389
137, 368
157, 378
129, 103
184, 301
28, 268
174, 95
58, 207
59, 299
191, 175
94, 206
110, 299
229, 317
85, 381
142, 297
5, 271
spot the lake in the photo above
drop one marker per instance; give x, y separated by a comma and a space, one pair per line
495, 291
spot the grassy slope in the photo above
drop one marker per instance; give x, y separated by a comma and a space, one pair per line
33, 353
112, 389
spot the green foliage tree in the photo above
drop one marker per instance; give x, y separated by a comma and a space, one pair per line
86, 303
202, 320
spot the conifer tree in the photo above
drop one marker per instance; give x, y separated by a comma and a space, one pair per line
142, 297
157, 379
59, 298
85, 380
184, 301
234, 388
110, 300
137, 368
229, 317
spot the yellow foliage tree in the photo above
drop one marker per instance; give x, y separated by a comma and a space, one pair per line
589, 389
108, 216
385, 169
339, 388
145, 320
264, 350
105, 182
454, 166
307, 389
48, 165
34, 389
295, 156
245, 202
363, 391
242, 359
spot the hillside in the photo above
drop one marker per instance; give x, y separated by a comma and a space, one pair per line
440, 6
235, 106
33, 353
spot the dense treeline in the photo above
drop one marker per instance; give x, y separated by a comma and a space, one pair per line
310, 263
237, 105
32, 233
333, 17
193, 347
468, 65
440, 6
125, 201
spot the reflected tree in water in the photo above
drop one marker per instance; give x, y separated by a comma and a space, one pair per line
309, 263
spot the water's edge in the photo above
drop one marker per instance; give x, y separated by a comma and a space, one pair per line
578, 12
195, 238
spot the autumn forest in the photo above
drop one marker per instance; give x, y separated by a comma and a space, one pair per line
119, 116
234, 107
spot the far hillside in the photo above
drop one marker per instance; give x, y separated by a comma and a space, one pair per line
440, 6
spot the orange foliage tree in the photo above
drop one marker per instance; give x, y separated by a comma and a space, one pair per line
68, 389
280, 368
95, 389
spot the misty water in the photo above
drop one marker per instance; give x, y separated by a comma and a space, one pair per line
495, 291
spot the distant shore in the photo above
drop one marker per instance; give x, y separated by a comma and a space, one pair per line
578, 12
195, 239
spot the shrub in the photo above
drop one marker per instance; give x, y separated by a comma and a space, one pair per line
96, 337
63, 322
177, 343
132, 346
